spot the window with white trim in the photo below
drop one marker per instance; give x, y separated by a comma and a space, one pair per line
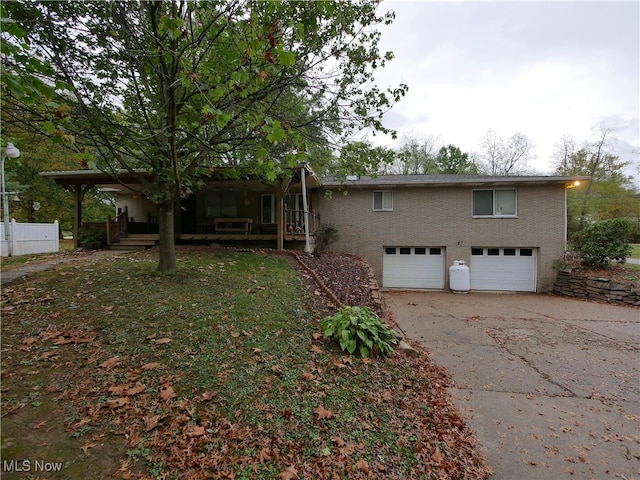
383, 200
495, 203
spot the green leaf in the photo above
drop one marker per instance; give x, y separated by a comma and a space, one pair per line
286, 58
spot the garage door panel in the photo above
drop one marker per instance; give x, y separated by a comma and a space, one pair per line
413, 270
514, 271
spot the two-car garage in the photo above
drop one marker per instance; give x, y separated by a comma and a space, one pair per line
491, 268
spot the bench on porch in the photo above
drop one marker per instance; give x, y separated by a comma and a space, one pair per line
229, 225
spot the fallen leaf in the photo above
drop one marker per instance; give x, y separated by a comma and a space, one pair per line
195, 431
86, 447
117, 402
338, 441
308, 376
29, 341
138, 388
363, 465
289, 473
166, 392
151, 366
110, 363
264, 455
162, 341
41, 424
437, 456
206, 396
316, 349
151, 422
322, 412
118, 390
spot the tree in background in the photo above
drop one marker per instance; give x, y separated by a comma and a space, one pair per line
424, 156
451, 160
503, 157
41, 199
607, 193
181, 89
415, 156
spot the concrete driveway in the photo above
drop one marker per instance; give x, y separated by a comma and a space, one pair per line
550, 385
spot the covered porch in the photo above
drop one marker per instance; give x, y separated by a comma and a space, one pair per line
240, 210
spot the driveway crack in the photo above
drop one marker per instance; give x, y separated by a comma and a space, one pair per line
523, 359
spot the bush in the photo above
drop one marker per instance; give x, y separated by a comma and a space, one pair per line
602, 242
326, 235
92, 238
358, 328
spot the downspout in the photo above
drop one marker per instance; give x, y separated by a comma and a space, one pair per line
305, 207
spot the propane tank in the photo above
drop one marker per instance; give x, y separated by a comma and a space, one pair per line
459, 277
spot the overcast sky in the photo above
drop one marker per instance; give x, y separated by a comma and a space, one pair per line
543, 69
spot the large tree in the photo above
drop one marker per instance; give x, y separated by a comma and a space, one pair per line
606, 193
179, 89
452, 160
503, 157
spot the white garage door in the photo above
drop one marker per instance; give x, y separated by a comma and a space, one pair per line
508, 269
413, 267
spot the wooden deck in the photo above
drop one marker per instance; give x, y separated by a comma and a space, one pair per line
142, 241
241, 237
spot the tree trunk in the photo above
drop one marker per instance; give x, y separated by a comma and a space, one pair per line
167, 264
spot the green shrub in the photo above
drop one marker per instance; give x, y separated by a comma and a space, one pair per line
358, 328
92, 238
603, 242
326, 235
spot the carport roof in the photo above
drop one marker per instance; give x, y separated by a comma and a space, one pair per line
448, 181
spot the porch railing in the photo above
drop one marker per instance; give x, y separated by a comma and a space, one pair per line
117, 226
295, 222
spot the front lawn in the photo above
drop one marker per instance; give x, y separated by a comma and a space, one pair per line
220, 372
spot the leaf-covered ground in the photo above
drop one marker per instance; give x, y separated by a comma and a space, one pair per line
220, 372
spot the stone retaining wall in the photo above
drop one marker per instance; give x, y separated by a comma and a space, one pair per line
597, 288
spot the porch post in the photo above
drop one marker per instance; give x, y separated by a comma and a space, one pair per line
77, 214
281, 219
305, 207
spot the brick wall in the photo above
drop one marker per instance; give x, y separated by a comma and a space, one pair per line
442, 217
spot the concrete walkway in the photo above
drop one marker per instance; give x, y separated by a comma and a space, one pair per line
19, 273
550, 385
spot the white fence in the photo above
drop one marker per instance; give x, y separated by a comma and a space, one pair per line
28, 238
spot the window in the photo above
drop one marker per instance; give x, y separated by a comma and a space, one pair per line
435, 251
494, 203
383, 200
509, 252
268, 209
390, 250
219, 204
420, 251
405, 251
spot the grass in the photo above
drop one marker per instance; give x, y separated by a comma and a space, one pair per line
66, 245
635, 250
219, 372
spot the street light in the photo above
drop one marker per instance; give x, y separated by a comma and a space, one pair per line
10, 151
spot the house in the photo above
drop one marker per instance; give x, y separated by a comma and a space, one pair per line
238, 209
410, 228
